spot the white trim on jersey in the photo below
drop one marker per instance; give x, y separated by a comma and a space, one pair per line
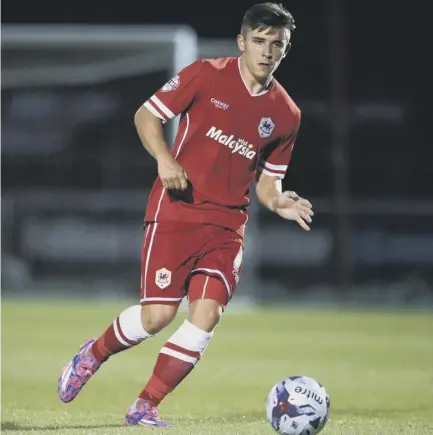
271, 167
153, 111
273, 174
274, 170
158, 108
161, 106
183, 137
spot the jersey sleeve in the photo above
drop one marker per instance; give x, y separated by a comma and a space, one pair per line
276, 158
177, 94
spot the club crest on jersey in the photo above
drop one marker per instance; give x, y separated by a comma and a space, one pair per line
266, 127
163, 278
171, 85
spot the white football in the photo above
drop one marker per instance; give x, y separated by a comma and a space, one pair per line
298, 405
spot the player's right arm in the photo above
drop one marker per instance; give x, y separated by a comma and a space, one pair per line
149, 129
169, 101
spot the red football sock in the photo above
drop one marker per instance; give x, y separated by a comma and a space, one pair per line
175, 361
125, 332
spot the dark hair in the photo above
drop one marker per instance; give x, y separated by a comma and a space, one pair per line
265, 15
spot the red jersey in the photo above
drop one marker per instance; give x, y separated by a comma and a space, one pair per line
226, 138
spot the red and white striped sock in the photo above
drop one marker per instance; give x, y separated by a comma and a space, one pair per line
175, 361
125, 332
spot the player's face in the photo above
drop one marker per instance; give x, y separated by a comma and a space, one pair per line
263, 50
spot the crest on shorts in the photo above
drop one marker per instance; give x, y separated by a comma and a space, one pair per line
163, 278
171, 85
266, 127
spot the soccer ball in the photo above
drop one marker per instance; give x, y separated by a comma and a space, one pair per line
298, 405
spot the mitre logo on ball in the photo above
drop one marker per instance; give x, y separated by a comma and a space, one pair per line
163, 278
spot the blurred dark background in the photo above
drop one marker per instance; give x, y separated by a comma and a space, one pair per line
75, 178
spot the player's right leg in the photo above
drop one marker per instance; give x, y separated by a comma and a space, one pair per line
131, 327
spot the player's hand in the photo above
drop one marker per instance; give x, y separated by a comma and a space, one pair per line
290, 206
172, 175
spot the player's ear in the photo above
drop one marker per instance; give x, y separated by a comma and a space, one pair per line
241, 42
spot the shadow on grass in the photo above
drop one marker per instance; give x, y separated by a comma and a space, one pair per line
11, 426
249, 417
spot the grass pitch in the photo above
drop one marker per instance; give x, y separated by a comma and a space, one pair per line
377, 368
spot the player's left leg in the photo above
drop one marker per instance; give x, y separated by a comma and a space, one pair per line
181, 352
211, 287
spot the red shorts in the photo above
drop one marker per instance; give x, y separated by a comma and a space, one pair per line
173, 252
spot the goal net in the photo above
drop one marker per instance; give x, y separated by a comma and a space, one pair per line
38, 56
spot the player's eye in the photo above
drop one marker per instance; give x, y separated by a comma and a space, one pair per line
258, 41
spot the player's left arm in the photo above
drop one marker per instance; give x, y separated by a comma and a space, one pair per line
287, 204
272, 169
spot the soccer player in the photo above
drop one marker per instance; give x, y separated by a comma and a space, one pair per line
237, 126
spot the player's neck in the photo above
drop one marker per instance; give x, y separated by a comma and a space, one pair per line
253, 85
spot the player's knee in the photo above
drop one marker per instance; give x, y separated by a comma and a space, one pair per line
205, 314
156, 317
